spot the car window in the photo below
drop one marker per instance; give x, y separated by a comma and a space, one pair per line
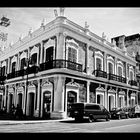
95, 107
102, 107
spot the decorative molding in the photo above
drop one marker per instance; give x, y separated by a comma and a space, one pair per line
99, 53
100, 89
73, 84
46, 82
34, 50
49, 42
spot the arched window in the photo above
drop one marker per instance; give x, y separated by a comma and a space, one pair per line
110, 68
23, 63
13, 66
98, 64
131, 75
72, 54
34, 59
3, 71
49, 54
120, 71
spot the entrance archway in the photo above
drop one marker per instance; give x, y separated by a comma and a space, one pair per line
46, 104
132, 102
71, 98
120, 101
20, 100
100, 99
0, 101
31, 104
111, 102
10, 102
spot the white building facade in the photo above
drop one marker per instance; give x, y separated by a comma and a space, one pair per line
68, 63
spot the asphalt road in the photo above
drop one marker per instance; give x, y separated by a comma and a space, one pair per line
70, 126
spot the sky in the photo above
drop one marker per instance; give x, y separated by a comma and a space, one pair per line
112, 21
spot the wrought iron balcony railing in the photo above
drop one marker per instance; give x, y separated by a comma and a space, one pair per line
133, 83
99, 73
60, 64
116, 78
30, 70
46, 66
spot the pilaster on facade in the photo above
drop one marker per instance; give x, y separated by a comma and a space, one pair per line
60, 49
105, 62
106, 97
87, 59
88, 91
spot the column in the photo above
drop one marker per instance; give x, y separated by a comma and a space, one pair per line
38, 97
41, 53
88, 91
60, 48
59, 91
105, 62
87, 58
115, 66
5, 97
126, 73
117, 96
106, 97
8, 70
25, 98
18, 62
127, 98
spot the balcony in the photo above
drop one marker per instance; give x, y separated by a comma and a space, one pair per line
30, 70
99, 73
60, 64
137, 58
2, 79
116, 78
133, 83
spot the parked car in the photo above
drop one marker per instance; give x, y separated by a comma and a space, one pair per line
137, 110
119, 113
131, 112
79, 111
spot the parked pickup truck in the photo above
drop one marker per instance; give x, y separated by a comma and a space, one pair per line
137, 110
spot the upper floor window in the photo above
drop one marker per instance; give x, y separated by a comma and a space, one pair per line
23, 63
98, 64
131, 75
120, 71
110, 68
13, 66
49, 54
2, 71
34, 59
72, 54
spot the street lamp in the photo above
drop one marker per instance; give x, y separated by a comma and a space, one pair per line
28, 62
34, 69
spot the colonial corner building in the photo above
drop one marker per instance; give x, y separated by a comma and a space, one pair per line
61, 63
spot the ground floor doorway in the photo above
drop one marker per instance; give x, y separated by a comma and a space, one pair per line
71, 98
20, 100
31, 104
46, 104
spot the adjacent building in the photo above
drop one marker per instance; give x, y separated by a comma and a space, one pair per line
61, 63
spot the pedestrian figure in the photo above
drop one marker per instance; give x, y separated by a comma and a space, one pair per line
19, 112
13, 109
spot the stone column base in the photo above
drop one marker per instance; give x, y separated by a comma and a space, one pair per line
58, 115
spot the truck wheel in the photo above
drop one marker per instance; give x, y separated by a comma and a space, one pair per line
127, 116
78, 119
119, 117
91, 118
107, 118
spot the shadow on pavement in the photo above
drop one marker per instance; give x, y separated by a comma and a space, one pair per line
83, 121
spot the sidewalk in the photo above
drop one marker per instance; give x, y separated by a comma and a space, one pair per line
14, 122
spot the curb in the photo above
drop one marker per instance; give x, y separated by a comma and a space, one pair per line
3, 122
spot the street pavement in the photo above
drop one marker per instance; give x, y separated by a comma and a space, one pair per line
70, 126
